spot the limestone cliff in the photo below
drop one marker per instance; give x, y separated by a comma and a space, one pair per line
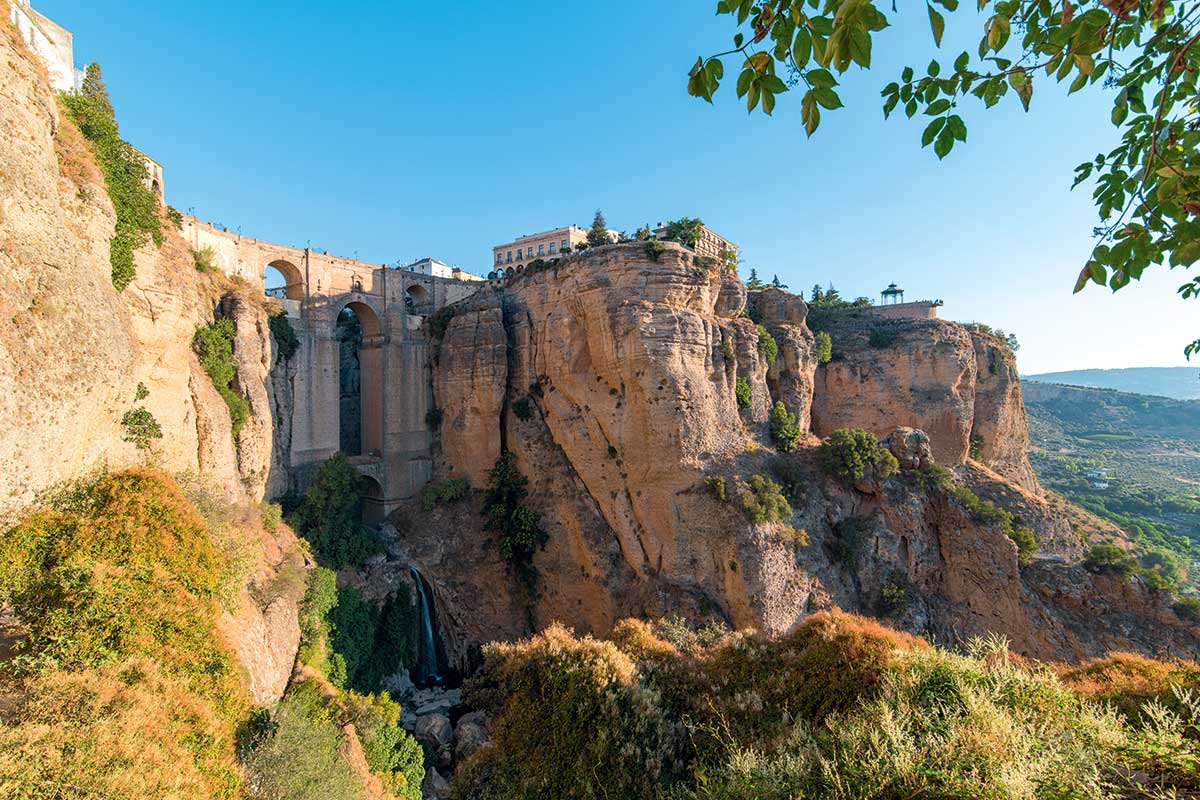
74, 352
622, 369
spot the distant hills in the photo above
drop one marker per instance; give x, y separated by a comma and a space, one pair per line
1181, 383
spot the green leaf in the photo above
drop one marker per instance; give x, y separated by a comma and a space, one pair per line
937, 24
933, 69
932, 130
957, 128
810, 113
944, 143
938, 107
802, 47
821, 79
772, 83
743, 83
828, 98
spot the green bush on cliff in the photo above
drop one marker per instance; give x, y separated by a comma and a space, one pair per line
391, 752
214, 345
785, 429
767, 346
1111, 559
329, 517
519, 527
850, 455
141, 428
741, 390
763, 501
286, 341
824, 347
987, 513
125, 175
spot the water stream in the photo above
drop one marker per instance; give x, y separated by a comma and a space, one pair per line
427, 659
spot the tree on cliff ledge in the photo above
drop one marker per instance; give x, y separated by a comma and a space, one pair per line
1147, 188
598, 235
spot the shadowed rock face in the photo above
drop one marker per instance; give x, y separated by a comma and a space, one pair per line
627, 367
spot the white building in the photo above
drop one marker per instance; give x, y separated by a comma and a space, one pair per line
51, 42
439, 269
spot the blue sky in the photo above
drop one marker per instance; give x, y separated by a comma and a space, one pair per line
401, 130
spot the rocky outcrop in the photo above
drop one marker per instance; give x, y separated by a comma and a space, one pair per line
623, 368
1000, 429
74, 350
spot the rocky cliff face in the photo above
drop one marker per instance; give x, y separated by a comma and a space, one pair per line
623, 369
73, 350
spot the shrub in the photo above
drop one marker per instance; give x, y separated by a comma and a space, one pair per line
763, 501
741, 389
125, 176
519, 527
989, 514
522, 409
390, 751
716, 487
893, 600
450, 490
286, 341
975, 448
1130, 682
727, 351
824, 347
433, 418
1188, 608
1111, 559
785, 430
567, 718
122, 682
214, 345
881, 338
141, 393
767, 345
931, 478
205, 259
329, 516
686, 231
297, 756
141, 428
851, 455
439, 321
790, 475
654, 249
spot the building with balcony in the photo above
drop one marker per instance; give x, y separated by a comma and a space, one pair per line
711, 244
548, 246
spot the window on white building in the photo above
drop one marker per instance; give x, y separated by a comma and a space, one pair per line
509, 256
552, 248
541, 249
565, 246
499, 258
529, 252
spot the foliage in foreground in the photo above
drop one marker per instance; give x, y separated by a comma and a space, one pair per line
118, 581
841, 708
125, 175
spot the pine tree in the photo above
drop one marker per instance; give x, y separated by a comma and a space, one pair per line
598, 235
776, 283
94, 89
753, 282
833, 297
818, 296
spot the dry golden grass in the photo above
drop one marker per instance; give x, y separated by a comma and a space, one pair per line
1129, 681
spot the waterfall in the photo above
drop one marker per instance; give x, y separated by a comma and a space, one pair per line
427, 660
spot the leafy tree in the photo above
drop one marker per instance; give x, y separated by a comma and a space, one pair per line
686, 231
329, 516
763, 501
1111, 558
851, 455
598, 234
777, 284
785, 429
1147, 188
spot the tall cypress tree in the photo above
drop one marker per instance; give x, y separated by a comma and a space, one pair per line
598, 235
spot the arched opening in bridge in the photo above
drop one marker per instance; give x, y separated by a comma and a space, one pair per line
360, 381
416, 298
372, 504
284, 280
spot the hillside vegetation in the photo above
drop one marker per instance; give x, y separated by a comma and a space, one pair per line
121, 686
1133, 460
1180, 383
841, 708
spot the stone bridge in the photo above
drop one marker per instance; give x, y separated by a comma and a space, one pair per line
393, 386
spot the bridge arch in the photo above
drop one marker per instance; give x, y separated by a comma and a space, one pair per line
360, 380
372, 504
292, 279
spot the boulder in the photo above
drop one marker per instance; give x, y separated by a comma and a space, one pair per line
434, 730
469, 735
910, 447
